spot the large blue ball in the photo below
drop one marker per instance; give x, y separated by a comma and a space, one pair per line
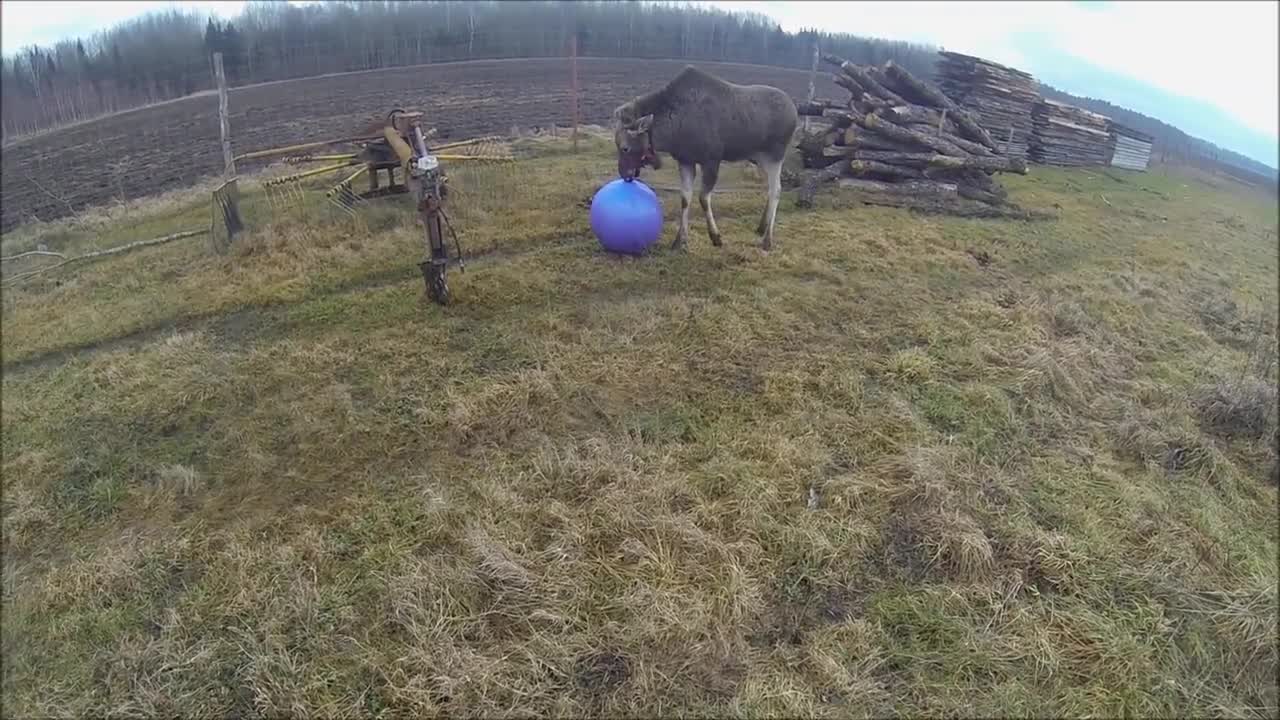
626, 216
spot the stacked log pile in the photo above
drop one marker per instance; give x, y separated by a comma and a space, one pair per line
900, 135
1068, 135
999, 97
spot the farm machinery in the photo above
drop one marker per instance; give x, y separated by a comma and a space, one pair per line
399, 145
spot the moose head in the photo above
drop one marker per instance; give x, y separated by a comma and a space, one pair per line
634, 140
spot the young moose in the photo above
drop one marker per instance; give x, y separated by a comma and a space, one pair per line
700, 119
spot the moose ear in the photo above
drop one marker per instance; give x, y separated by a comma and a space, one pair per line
644, 123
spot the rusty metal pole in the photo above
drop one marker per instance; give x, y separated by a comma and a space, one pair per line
573, 85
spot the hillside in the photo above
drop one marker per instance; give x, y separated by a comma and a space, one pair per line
902, 465
1170, 141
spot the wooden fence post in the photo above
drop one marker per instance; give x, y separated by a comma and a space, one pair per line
573, 85
228, 158
813, 71
227, 197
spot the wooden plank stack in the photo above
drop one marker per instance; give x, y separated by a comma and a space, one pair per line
1069, 136
999, 97
1131, 149
900, 135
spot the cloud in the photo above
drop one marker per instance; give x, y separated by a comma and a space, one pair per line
44, 22
1223, 53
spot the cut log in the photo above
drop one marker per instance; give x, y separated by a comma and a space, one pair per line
814, 180
995, 164
842, 118
918, 114
812, 144
973, 193
906, 187
943, 162
908, 159
920, 91
903, 135
885, 81
968, 146
874, 102
862, 138
982, 181
815, 108
847, 83
864, 168
863, 78
933, 95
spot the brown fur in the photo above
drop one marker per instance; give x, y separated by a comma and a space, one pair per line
701, 120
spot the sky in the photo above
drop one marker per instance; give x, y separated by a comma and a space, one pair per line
44, 22
1209, 68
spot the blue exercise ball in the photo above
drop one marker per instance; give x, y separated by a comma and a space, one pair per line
626, 216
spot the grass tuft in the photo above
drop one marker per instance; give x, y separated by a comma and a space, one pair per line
1244, 408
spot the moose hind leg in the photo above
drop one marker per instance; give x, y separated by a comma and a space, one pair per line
773, 173
710, 173
687, 174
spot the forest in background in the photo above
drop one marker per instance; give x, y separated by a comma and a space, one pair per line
166, 55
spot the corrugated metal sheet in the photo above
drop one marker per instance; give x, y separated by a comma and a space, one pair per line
1130, 153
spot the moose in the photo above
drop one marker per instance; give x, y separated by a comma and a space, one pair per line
702, 120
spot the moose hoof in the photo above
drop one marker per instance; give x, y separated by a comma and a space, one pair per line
715, 239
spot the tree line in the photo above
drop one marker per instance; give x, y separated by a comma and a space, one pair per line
166, 55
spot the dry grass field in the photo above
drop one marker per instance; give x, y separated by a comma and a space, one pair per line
903, 465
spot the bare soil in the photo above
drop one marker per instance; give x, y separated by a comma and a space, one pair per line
140, 152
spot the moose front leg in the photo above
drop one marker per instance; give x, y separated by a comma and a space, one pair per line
687, 175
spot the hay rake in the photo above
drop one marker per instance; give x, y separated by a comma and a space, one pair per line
400, 144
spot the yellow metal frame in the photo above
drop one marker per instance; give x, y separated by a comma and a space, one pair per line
298, 159
482, 158
364, 169
464, 143
306, 174
303, 146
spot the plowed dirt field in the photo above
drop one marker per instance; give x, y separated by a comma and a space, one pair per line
143, 151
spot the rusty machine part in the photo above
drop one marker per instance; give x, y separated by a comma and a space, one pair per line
401, 145
423, 174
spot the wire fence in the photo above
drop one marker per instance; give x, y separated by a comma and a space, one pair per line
76, 95
134, 153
